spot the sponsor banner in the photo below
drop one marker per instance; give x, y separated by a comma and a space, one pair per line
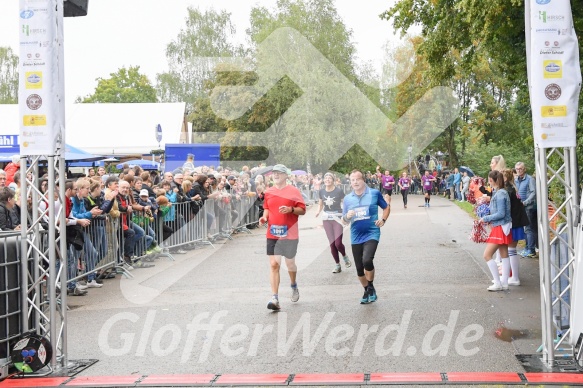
554, 72
40, 96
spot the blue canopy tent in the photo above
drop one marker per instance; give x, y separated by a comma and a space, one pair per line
145, 164
75, 157
74, 154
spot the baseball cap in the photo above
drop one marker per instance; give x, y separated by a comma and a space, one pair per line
230, 177
143, 192
280, 168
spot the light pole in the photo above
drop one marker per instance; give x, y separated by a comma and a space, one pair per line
410, 149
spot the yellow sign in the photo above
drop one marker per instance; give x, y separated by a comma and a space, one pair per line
553, 69
33, 80
34, 120
554, 111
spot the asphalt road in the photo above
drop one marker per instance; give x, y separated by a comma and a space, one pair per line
206, 311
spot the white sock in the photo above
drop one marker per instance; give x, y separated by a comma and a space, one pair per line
514, 263
497, 258
505, 270
494, 270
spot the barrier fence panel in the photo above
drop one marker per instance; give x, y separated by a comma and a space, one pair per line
10, 291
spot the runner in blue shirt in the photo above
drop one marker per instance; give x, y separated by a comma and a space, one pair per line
361, 211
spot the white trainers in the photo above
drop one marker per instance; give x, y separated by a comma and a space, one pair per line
513, 282
81, 286
495, 287
295, 294
93, 284
337, 269
273, 304
347, 262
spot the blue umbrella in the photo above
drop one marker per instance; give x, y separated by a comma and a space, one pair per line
145, 164
463, 169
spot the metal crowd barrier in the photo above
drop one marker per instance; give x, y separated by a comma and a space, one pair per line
10, 292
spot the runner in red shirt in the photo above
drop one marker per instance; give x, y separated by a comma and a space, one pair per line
282, 205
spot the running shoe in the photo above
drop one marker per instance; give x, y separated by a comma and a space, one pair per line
273, 304
337, 269
94, 284
365, 299
76, 292
81, 286
372, 295
513, 282
295, 293
495, 287
347, 262
141, 264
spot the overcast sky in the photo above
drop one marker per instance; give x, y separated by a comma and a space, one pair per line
118, 33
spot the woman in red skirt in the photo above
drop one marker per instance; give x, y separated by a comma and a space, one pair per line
501, 221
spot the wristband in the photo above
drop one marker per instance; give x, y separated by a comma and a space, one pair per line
384, 220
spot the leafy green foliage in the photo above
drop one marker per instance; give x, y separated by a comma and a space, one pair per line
124, 86
477, 48
208, 34
8, 76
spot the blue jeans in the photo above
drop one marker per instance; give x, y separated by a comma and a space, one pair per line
142, 241
128, 242
531, 230
90, 254
458, 194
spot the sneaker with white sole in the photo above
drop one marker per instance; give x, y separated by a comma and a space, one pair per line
513, 282
273, 304
295, 294
337, 269
81, 286
495, 287
127, 266
141, 264
347, 262
76, 292
94, 284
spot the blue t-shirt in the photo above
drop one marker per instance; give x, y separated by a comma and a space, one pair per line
366, 206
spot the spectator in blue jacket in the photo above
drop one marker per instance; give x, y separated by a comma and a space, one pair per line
526, 187
80, 212
457, 180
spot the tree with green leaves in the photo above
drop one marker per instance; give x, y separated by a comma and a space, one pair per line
8, 76
123, 86
479, 50
207, 34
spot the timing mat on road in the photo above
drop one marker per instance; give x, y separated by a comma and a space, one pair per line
214, 380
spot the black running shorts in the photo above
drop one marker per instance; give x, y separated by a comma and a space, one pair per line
286, 248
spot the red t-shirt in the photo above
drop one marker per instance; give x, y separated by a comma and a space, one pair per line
282, 226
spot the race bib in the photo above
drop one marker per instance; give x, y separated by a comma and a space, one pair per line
278, 230
405, 185
330, 216
361, 213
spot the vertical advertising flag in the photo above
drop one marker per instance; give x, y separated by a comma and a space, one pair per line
40, 95
554, 72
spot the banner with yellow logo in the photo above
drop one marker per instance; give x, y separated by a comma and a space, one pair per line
40, 95
554, 73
